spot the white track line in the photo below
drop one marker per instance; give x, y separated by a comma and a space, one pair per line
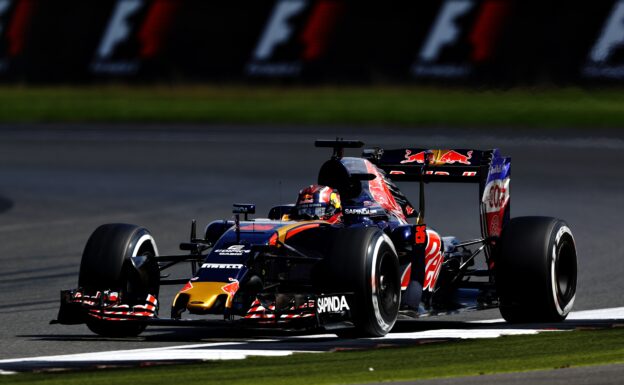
598, 314
241, 350
613, 313
461, 333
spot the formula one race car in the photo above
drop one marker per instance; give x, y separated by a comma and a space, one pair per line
354, 274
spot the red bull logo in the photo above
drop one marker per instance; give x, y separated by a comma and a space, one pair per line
452, 156
231, 288
187, 287
418, 158
305, 198
437, 157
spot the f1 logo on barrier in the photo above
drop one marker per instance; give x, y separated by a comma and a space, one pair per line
136, 30
278, 29
297, 31
4, 8
464, 33
15, 19
601, 60
445, 30
119, 27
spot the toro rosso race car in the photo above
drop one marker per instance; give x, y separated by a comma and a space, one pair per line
352, 256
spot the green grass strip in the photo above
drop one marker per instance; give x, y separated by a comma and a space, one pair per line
473, 357
407, 106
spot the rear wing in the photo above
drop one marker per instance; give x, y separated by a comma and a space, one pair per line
488, 168
458, 165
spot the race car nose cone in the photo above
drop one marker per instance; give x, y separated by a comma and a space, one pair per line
203, 296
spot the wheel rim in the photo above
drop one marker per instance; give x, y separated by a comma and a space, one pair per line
565, 271
387, 284
138, 281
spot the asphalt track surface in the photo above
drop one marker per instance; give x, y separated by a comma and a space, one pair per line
58, 183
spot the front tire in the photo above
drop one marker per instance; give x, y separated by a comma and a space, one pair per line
364, 261
536, 270
120, 257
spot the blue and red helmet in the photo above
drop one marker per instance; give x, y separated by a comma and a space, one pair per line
317, 202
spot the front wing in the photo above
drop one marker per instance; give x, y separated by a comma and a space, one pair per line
284, 311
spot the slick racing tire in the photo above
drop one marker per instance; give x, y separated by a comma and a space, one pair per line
363, 261
120, 257
536, 270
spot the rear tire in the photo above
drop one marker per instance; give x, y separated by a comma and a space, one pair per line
364, 261
120, 257
536, 270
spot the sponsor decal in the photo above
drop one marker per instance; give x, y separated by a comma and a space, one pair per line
333, 304
222, 266
232, 287
494, 226
437, 157
433, 260
421, 234
497, 168
297, 32
452, 157
405, 277
236, 250
469, 173
257, 227
494, 203
411, 158
188, 286
273, 239
465, 33
496, 195
382, 195
358, 211
605, 58
306, 198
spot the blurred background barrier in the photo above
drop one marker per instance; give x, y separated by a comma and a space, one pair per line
469, 42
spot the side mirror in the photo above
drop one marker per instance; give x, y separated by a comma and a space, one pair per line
278, 212
244, 208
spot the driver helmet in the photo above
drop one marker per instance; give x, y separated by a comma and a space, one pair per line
317, 202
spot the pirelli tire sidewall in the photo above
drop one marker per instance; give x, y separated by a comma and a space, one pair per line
363, 261
120, 257
536, 270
